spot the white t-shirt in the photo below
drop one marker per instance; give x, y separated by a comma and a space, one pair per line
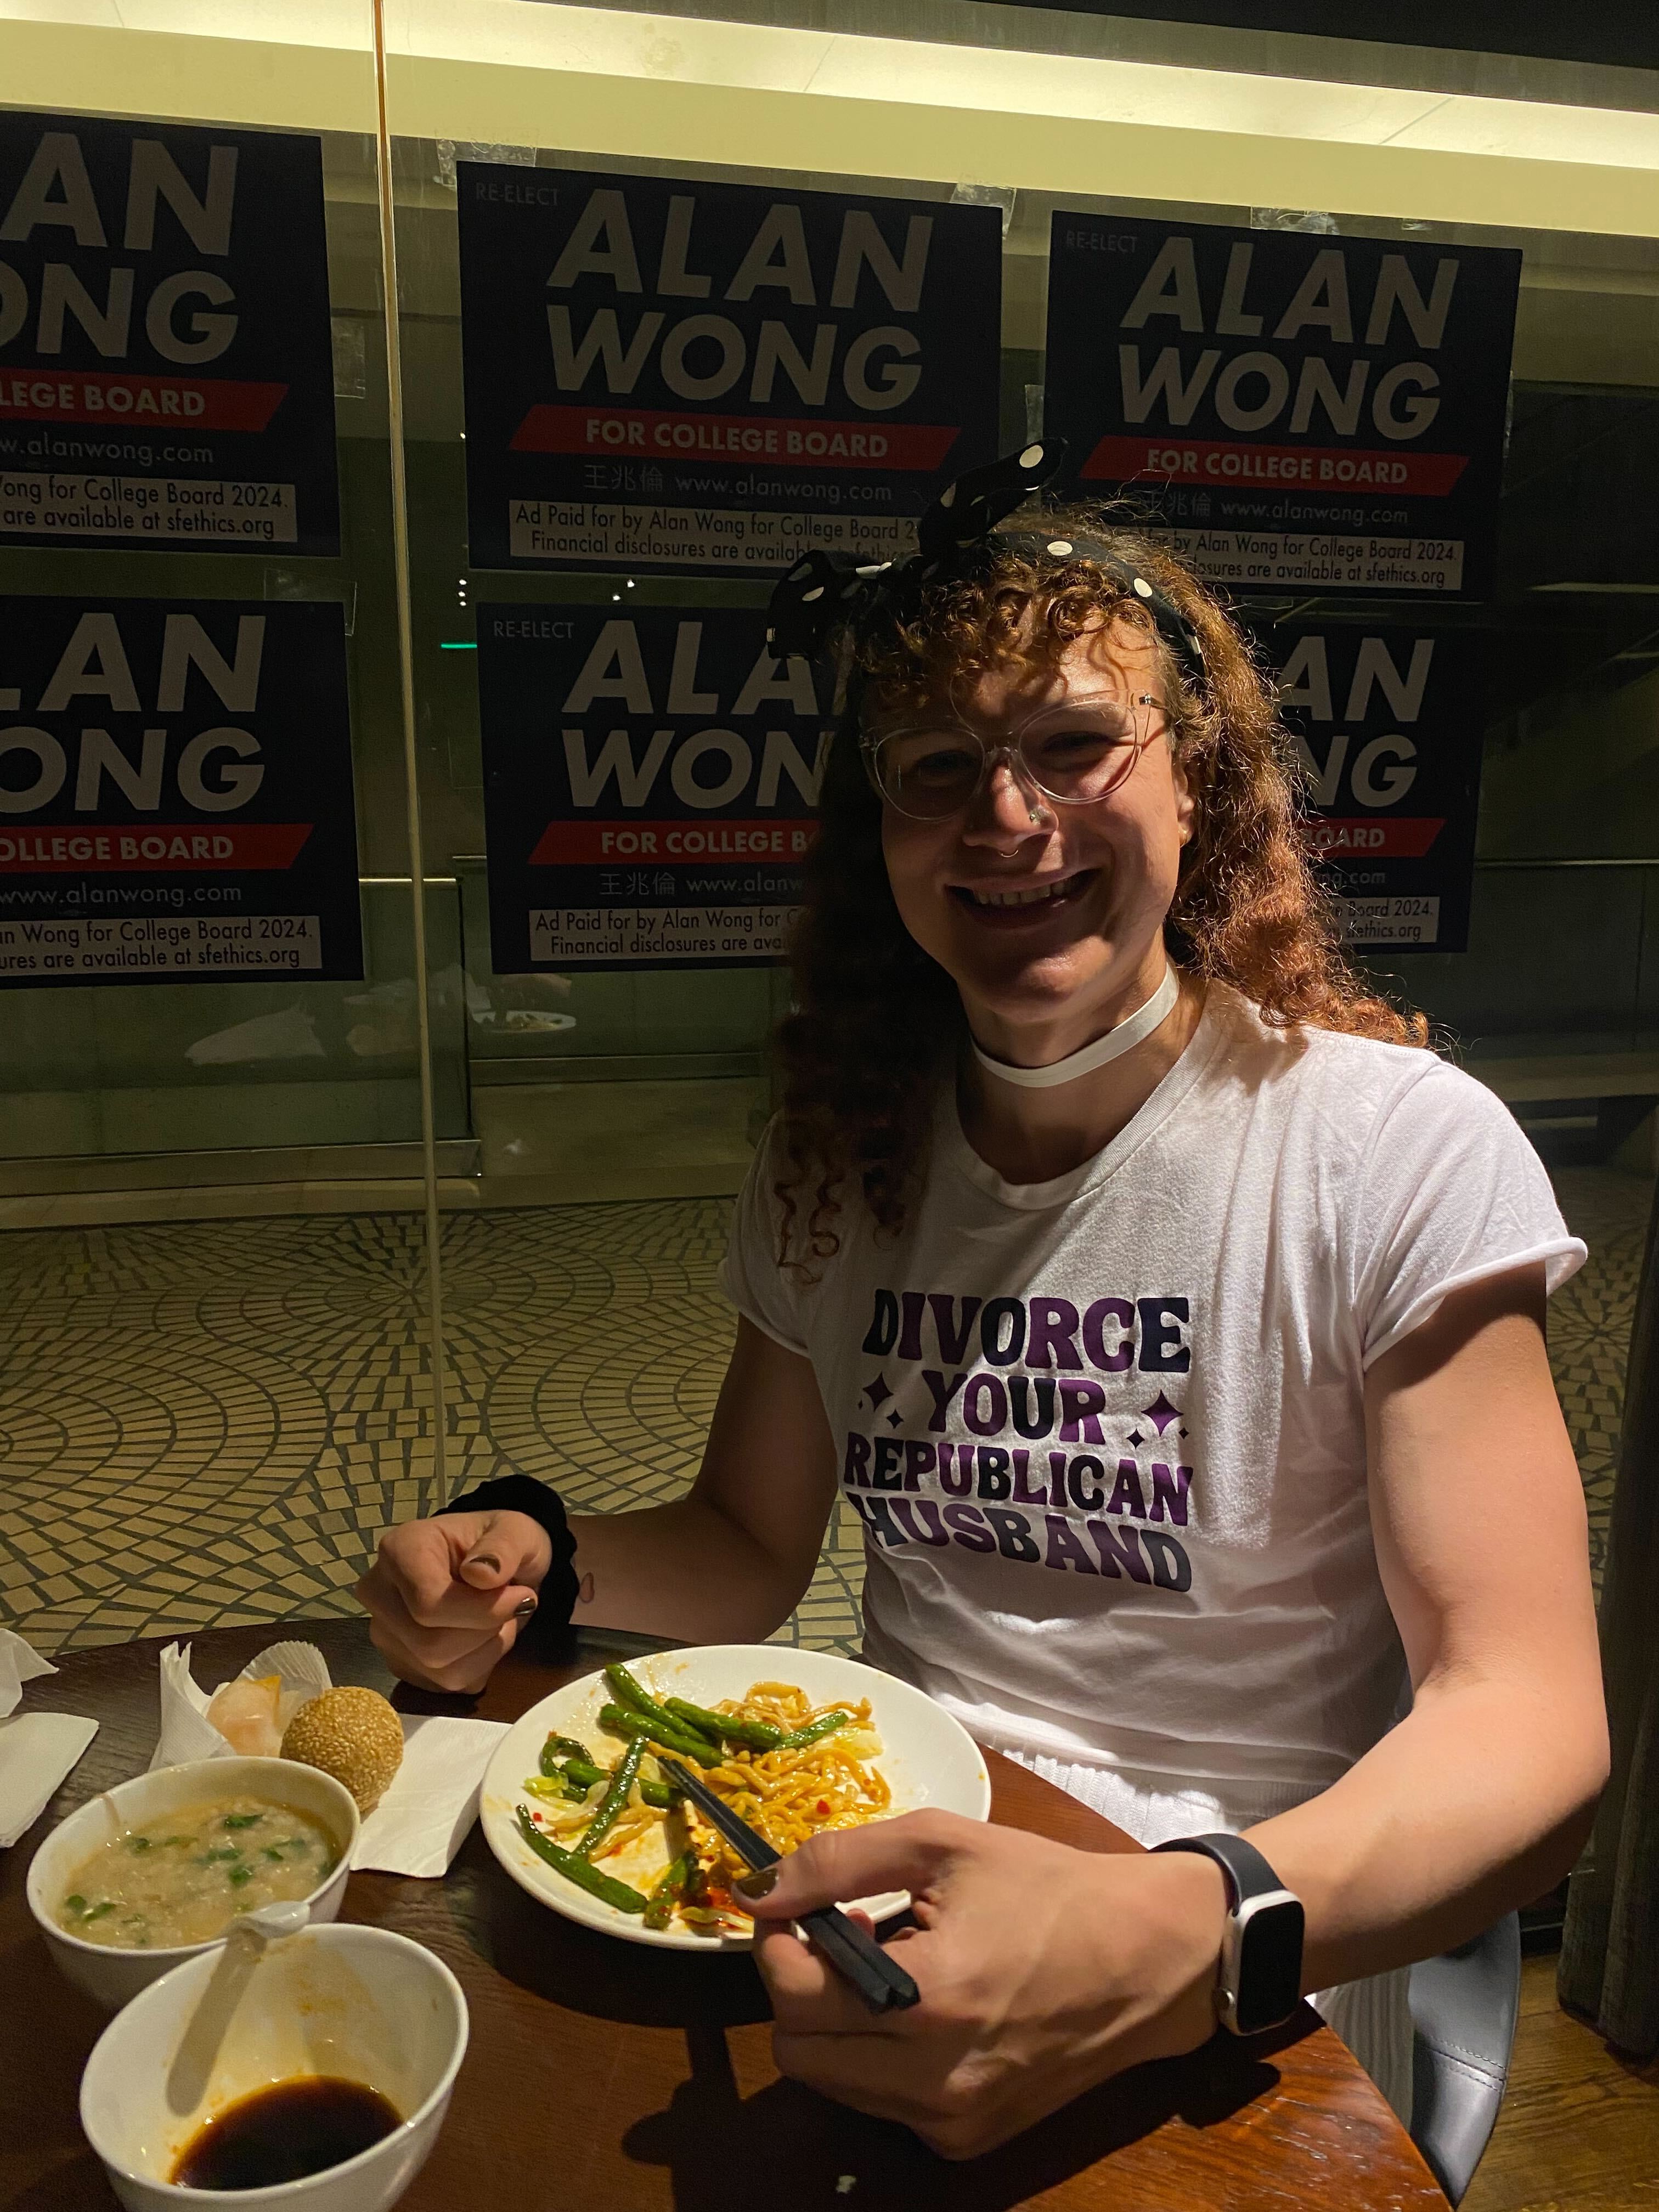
1106, 1433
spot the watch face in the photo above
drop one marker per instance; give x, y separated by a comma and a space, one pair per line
1269, 1966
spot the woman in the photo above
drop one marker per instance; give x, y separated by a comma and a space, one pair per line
1173, 1321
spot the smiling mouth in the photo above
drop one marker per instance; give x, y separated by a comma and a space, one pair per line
1026, 898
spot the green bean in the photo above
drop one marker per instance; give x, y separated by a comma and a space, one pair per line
636, 1696
604, 1886
659, 1910
615, 1798
815, 1731
682, 1744
561, 1747
586, 1776
754, 1735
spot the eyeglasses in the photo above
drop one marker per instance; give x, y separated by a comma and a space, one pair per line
1074, 751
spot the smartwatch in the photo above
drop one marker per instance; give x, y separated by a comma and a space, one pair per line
1259, 1981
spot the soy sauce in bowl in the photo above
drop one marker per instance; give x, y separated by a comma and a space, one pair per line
285, 2133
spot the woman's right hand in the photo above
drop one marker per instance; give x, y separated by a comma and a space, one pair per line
447, 1597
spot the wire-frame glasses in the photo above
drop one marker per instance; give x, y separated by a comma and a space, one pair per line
1074, 752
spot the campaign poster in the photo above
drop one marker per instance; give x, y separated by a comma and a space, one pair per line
651, 781
665, 374
167, 373
175, 793
1387, 722
1301, 410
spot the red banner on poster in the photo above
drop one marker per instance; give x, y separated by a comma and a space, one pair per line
1332, 469
589, 844
88, 396
152, 847
648, 433
1408, 840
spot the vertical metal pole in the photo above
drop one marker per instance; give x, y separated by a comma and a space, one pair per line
412, 763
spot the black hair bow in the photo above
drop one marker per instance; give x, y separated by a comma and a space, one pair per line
824, 592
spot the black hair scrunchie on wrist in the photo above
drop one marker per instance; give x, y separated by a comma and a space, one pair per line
522, 1493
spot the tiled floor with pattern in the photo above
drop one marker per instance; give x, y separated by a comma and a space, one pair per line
208, 1423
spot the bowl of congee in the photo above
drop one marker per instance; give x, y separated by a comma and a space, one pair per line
146, 1875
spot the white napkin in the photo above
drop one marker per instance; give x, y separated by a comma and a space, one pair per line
425, 1816
37, 1750
186, 1732
20, 1663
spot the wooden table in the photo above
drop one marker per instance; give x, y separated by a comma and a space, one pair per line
603, 2077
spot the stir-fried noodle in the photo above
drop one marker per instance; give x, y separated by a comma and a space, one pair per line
787, 1794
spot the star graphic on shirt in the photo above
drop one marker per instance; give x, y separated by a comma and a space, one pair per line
1135, 1436
877, 1392
896, 1420
1161, 1412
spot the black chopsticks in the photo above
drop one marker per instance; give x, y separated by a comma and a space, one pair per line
878, 1978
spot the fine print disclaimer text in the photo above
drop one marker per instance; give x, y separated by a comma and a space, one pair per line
56, 503
1391, 920
571, 935
1272, 557
565, 530
262, 944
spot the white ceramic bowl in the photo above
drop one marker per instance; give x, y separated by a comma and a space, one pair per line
929, 1760
359, 2003
110, 1977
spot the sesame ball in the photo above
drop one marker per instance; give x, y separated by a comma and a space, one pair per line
353, 1735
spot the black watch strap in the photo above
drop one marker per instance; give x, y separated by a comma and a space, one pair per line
1248, 1873
1258, 1972
522, 1493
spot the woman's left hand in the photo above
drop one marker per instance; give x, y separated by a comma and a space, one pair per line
1042, 1969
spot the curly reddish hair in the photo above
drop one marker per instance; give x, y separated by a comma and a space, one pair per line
877, 1022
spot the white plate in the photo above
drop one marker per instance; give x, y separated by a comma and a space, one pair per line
929, 1760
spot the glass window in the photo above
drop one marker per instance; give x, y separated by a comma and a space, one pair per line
224, 1178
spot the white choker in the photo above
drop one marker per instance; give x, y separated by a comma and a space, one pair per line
1115, 1043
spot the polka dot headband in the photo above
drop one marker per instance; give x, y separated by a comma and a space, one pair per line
829, 592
